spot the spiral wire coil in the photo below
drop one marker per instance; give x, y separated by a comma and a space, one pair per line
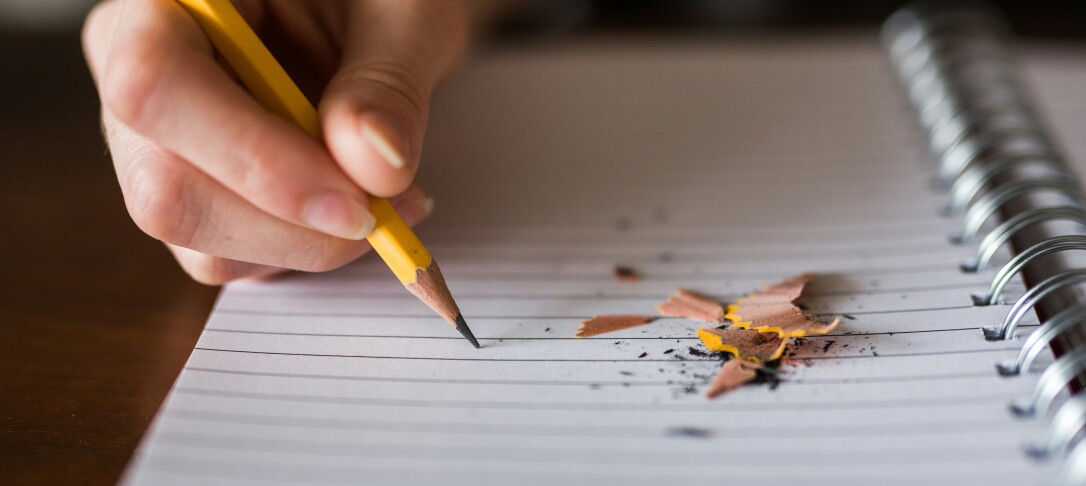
957, 71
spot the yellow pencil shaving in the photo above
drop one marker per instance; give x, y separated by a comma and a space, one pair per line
772, 310
730, 313
753, 346
811, 328
808, 326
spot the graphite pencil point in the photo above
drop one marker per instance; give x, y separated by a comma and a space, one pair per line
462, 326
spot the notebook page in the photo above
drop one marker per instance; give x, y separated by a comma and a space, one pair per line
719, 166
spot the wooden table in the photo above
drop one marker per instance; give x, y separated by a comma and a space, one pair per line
96, 319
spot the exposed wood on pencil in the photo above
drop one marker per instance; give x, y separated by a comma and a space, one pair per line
692, 305
732, 375
626, 274
429, 286
744, 343
605, 324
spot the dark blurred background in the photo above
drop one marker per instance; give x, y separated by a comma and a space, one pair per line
96, 319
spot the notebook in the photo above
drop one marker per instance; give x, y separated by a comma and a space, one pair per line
719, 165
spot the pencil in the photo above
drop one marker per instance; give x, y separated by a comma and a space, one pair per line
272, 87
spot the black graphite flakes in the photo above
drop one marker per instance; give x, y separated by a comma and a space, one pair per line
769, 375
690, 432
697, 352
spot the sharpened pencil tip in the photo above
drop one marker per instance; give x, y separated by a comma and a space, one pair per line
462, 326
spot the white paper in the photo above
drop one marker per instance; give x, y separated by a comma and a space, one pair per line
720, 166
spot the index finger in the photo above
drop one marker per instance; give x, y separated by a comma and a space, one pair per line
161, 79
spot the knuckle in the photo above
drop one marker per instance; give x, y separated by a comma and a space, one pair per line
130, 82
261, 162
209, 270
392, 77
156, 200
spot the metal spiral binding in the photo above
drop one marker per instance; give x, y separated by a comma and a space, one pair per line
992, 149
1031, 298
1000, 235
967, 186
1016, 264
1037, 342
987, 205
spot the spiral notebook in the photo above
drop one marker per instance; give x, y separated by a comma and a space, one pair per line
719, 166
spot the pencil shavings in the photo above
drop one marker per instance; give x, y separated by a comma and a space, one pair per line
744, 344
732, 375
604, 324
692, 305
772, 310
626, 274
785, 291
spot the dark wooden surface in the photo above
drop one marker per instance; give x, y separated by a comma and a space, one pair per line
96, 319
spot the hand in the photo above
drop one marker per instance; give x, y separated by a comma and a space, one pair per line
233, 190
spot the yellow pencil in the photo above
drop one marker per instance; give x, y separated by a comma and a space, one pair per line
273, 88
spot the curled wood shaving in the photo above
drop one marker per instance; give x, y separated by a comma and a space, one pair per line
605, 324
772, 310
692, 305
732, 375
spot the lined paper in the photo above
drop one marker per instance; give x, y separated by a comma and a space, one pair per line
719, 166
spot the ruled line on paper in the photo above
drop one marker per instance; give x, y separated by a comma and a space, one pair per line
885, 250
585, 360
463, 295
171, 465
654, 271
997, 398
685, 337
569, 455
582, 383
224, 310
598, 230
360, 273
629, 431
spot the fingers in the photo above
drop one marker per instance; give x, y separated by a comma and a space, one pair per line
414, 205
174, 202
177, 204
160, 78
375, 108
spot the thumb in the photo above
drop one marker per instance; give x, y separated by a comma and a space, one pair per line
374, 109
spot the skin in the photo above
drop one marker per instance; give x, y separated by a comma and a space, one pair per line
235, 192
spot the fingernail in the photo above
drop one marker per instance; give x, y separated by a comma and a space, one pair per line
416, 209
425, 206
339, 215
382, 140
